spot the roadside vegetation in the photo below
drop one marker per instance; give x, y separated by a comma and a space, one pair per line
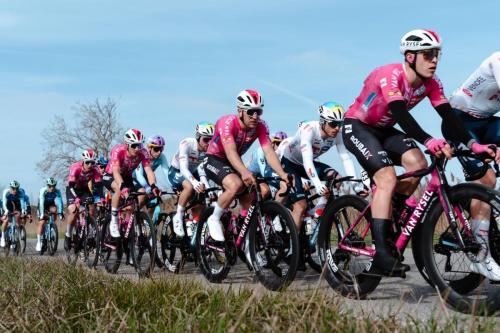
50, 296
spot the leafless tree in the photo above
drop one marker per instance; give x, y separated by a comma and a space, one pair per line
93, 125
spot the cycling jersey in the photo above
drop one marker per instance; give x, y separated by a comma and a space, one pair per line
228, 130
258, 162
79, 178
13, 202
47, 199
160, 162
479, 95
127, 164
387, 84
307, 145
187, 159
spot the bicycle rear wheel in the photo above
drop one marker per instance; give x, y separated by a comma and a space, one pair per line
274, 254
77, 243
345, 271
448, 264
142, 244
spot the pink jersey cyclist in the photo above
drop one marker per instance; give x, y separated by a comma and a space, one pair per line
228, 130
387, 84
81, 178
127, 164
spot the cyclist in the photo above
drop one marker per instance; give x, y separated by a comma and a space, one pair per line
185, 175
13, 202
312, 139
102, 163
155, 146
234, 134
388, 94
49, 202
476, 102
83, 177
125, 158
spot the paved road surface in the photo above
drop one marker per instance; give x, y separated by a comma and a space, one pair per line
401, 297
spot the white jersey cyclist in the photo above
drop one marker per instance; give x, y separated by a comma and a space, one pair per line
307, 145
187, 160
479, 95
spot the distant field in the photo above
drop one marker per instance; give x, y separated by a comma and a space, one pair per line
50, 296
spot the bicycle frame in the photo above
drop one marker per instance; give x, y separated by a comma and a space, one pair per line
436, 187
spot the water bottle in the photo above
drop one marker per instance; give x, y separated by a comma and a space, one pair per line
310, 224
189, 227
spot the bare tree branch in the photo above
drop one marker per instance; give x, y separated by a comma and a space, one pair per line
95, 126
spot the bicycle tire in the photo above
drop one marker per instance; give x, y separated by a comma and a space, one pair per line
460, 294
354, 285
286, 247
168, 246
142, 244
53, 239
204, 254
22, 239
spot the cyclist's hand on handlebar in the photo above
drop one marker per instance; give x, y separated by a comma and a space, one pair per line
248, 178
439, 147
199, 187
61, 216
155, 190
489, 149
323, 190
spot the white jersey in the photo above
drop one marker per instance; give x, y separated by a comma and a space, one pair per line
307, 145
479, 95
188, 157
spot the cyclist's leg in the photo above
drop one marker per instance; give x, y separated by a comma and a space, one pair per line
297, 199
221, 172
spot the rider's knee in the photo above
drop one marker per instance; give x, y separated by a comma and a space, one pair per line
234, 186
385, 179
489, 179
414, 160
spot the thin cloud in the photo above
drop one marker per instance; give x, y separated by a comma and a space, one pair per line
288, 92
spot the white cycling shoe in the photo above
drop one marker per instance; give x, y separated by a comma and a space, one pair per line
38, 247
2, 242
178, 229
215, 229
277, 224
113, 229
488, 268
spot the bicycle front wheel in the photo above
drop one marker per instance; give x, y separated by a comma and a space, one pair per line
142, 244
450, 266
53, 239
274, 250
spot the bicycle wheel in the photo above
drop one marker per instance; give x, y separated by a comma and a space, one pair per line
274, 255
89, 242
77, 243
108, 252
345, 271
447, 263
311, 252
166, 240
53, 239
22, 239
214, 262
142, 244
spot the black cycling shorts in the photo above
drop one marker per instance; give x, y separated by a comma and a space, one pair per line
299, 172
130, 183
375, 148
217, 168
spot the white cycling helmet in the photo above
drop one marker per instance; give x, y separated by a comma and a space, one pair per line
249, 99
205, 129
51, 181
331, 111
419, 39
89, 155
133, 136
14, 184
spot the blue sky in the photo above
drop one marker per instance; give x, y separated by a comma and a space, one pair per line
170, 64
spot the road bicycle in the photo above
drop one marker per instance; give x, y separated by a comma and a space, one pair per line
50, 236
83, 238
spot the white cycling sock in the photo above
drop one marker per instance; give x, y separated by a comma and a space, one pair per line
218, 211
180, 211
480, 229
114, 215
69, 230
38, 237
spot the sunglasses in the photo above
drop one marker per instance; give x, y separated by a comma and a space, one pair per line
135, 145
252, 112
430, 54
206, 139
50, 186
102, 166
157, 149
334, 124
276, 142
89, 162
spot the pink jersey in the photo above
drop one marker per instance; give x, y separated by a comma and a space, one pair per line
387, 84
82, 178
228, 130
127, 164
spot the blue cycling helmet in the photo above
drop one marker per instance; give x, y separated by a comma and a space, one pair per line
102, 161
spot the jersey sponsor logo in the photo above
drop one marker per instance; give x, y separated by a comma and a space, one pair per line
467, 92
361, 147
383, 82
348, 128
473, 86
368, 101
385, 158
419, 91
